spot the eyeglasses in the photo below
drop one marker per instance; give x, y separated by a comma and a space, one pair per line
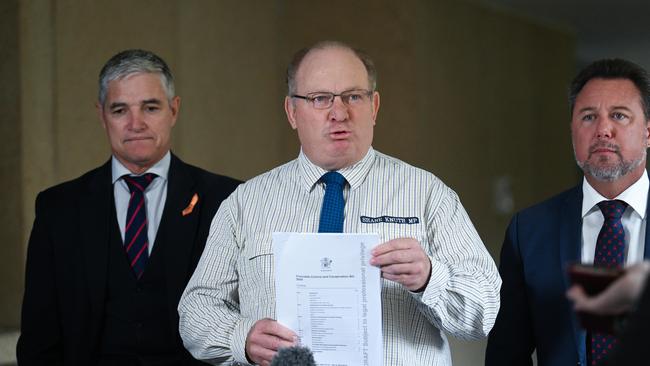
324, 100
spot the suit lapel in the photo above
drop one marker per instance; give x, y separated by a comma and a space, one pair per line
176, 232
646, 248
571, 231
570, 251
96, 206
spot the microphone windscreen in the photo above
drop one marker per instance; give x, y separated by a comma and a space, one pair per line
293, 356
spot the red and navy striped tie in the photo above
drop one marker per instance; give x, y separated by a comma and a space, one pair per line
136, 240
610, 249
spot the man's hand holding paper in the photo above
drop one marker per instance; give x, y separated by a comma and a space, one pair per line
403, 261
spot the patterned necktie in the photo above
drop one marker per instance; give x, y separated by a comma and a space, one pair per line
331, 215
135, 230
610, 249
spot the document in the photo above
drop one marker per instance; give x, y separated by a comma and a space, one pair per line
329, 294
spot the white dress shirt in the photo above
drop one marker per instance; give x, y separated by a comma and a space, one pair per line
633, 220
154, 196
233, 285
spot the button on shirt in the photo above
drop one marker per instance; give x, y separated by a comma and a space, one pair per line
634, 220
233, 285
154, 196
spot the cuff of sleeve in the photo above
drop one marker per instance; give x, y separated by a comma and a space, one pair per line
238, 341
437, 282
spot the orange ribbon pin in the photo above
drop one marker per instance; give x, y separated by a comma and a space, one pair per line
190, 207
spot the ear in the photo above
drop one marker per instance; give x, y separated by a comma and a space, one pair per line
375, 106
647, 133
100, 113
175, 107
290, 110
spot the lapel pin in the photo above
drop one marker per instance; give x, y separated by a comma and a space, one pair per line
190, 207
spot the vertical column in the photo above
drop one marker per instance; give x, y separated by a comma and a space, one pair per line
35, 164
10, 168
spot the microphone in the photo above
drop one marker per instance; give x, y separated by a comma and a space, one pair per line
293, 356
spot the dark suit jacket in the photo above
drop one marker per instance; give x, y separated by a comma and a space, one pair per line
535, 314
67, 259
632, 348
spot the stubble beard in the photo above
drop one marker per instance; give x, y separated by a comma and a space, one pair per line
609, 172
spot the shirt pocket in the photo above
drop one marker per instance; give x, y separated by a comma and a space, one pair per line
256, 270
393, 231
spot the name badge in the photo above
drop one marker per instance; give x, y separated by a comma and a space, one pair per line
390, 220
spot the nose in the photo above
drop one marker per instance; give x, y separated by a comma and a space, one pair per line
339, 110
136, 121
605, 128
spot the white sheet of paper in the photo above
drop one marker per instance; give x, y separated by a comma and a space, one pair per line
329, 294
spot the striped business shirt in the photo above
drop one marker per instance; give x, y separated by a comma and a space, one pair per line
233, 285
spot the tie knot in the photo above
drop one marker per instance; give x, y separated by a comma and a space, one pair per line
138, 182
333, 178
612, 209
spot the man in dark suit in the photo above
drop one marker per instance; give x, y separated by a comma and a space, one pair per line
610, 101
110, 252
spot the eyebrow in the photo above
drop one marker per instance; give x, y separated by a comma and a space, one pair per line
586, 109
621, 107
116, 105
146, 101
344, 91
616, 107
151, 101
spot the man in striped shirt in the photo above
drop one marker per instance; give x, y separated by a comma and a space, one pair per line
437, 275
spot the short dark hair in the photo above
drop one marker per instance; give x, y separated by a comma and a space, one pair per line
613, 69
135, 61
294, 65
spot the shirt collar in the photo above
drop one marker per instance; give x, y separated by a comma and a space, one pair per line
636, 196
355, 174
161, 168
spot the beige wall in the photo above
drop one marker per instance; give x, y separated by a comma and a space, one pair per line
472, 95
11, 195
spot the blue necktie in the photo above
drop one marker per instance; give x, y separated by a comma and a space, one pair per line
331, 215
610, 249
136, 240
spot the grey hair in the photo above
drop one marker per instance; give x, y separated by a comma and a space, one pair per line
299, 56
135, 61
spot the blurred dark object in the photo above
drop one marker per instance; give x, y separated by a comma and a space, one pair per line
293, 356
594, 280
